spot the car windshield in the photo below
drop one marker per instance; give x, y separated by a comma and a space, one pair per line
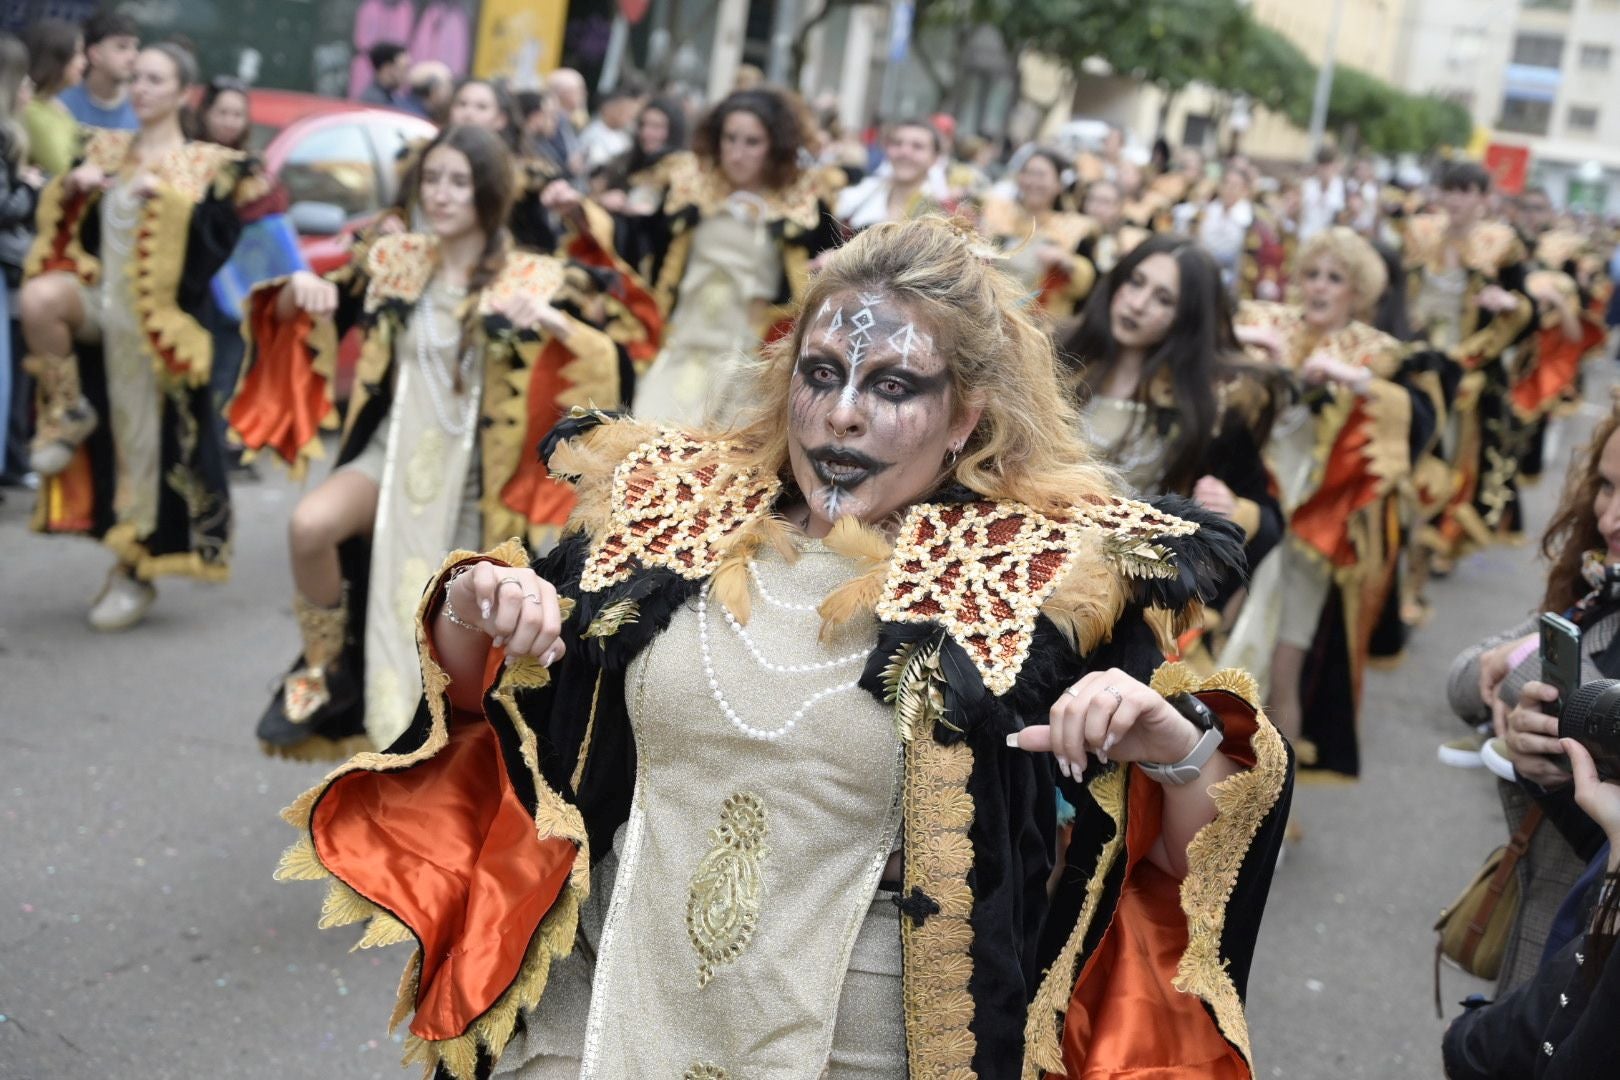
335, 165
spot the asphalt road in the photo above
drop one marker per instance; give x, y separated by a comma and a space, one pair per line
141, 936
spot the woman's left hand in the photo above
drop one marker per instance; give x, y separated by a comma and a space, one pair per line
1214, 496
1112, 715
144, 186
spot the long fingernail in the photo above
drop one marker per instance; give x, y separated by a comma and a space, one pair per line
484, 606
1102, 755
498, 642
1063, 766
1012, 741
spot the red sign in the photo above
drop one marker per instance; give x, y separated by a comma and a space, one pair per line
1509, 167
633, 10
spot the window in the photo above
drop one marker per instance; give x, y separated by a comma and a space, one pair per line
1582, 118
1526, 116
1539, 50
1596, 57
333, 165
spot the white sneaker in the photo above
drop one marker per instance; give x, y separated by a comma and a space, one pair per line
1493, 755
123, 602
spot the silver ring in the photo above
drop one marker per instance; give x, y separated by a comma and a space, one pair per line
1072, 692
1119, 698
533, 597
508, 581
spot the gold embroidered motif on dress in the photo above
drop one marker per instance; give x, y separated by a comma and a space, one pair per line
674, 500
424, 477
705, 1070
524, 274
722, 906
398, 268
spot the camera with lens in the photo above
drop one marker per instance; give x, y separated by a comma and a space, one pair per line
1591, 716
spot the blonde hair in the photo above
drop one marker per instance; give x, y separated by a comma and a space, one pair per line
1360, 261
1026, 446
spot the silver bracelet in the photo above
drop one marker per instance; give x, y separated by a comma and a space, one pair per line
449, 609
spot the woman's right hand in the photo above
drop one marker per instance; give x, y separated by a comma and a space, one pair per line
516, 607
313, 293
84, 179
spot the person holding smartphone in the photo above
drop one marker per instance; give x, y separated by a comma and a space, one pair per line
1502, 680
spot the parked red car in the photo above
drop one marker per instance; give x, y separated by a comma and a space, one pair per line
335, 159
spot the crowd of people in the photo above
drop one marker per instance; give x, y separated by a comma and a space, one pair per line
855, 602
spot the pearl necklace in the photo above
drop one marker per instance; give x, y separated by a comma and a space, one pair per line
747, 729
440, 380
764, 594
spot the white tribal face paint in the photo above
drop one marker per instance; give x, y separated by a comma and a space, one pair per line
870, 408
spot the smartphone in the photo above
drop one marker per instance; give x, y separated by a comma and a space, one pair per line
1560, 667
1560, 658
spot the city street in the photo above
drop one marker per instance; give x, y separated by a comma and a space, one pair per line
142, 938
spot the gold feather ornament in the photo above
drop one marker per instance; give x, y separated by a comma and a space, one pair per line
871, 551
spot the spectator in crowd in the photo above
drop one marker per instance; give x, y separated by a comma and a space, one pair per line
567, 89
19, 194
101, 99
390, 66
222, 114
430, 86
1322, 195
911, 149
608, 135
1224, 223
539, 114
1560, 987
55, 62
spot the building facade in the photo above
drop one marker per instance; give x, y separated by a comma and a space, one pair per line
1539, 74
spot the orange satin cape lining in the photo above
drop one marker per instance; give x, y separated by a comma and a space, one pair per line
448, 848
1124, 1017
282, 400
1323, 521
637, 299
532, 491
1557, 361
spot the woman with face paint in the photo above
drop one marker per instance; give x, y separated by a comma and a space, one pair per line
802, 694
470, 353
127, 448
1043, 240
1165, 394
1340, 457
727, 250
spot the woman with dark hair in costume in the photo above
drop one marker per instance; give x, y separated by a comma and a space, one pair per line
1341, 457
1165, 393
727, 252
816, 682
127, 446
1043, 238
469, 356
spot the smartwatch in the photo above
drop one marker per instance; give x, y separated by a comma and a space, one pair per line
1187, 769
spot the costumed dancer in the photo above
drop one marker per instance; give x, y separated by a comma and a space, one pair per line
1114, 237
1166, 395
468, 357
728, 253
785, 669
127, 446
1468, 278
1569, 328
1041, 238
1340, 457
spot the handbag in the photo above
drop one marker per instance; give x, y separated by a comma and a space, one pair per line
1473, 931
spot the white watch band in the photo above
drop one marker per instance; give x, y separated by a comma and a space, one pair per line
1187, 769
